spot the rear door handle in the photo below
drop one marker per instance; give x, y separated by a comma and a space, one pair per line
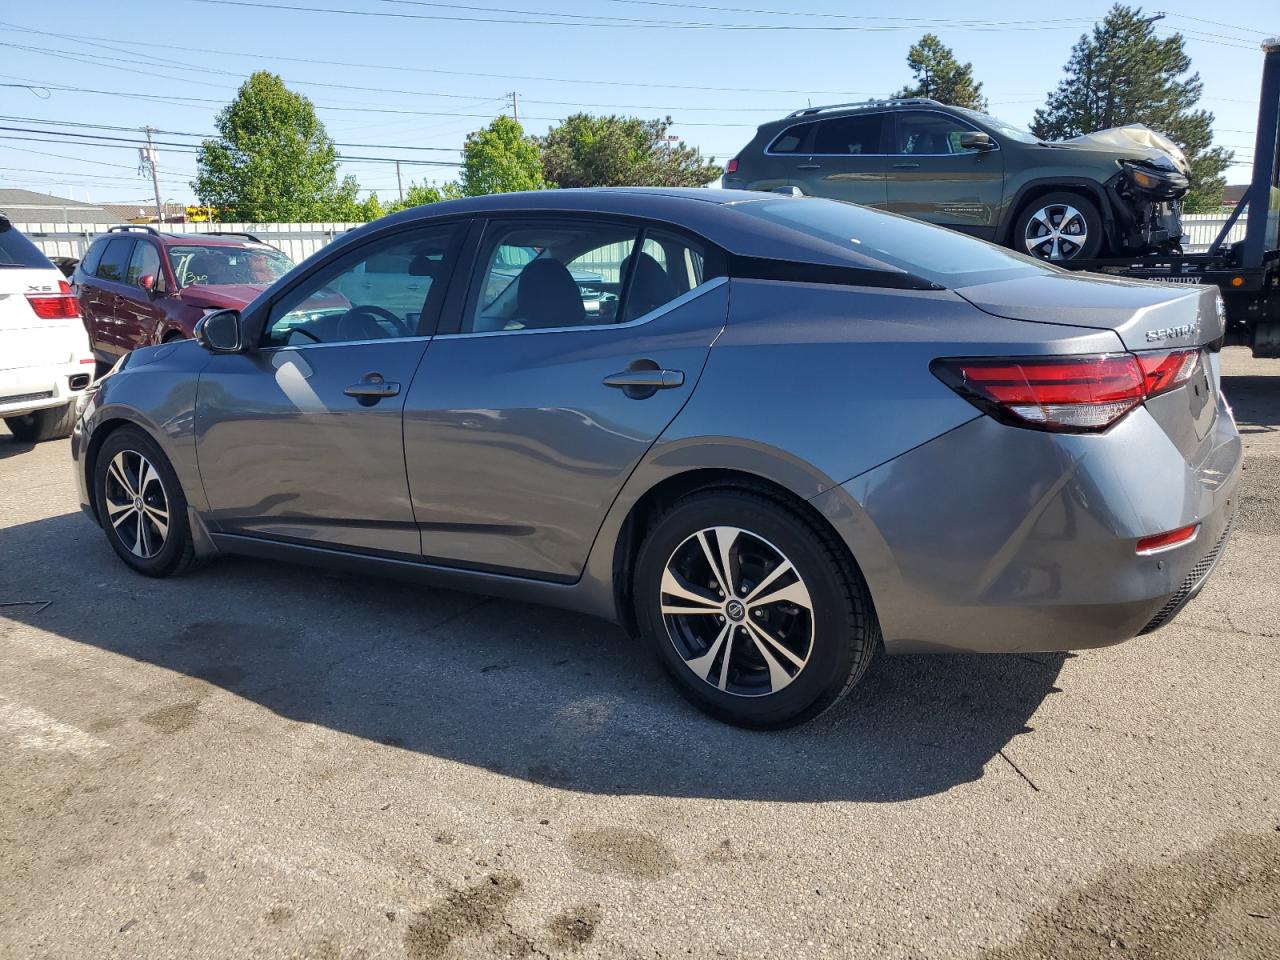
646, 379
808, 166
906, 166
372, 389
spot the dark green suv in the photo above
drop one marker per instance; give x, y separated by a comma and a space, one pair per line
1114, 192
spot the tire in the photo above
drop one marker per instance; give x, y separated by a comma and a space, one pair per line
52, 423
1046, 215
117, 470
815, 652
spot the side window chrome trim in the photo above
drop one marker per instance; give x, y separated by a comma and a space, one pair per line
703, 288
342, 343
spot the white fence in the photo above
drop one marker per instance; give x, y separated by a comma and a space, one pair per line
298, 240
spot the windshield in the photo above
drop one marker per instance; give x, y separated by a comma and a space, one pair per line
999, 126
936, 254
225, 265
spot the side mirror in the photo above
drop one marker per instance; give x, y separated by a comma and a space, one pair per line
219, 332
148, 283
974, 140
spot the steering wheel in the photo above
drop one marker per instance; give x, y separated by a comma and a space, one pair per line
359, 323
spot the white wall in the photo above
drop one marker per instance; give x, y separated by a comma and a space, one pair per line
298, 240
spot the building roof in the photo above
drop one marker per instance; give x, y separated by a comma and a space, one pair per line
27, 206
145, 212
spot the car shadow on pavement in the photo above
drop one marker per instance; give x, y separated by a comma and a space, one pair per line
1253, 401
529, 692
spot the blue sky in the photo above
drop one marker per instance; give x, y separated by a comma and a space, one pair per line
405, 74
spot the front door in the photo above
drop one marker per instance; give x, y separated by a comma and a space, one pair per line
932, 178
301, 440
578, 344
846, 160
141, 315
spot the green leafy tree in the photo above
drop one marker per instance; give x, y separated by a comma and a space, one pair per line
1123, 73
500, 159
940, 76
614, 151
272, 159
423, 193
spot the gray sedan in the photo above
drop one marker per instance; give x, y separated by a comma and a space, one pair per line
778, 436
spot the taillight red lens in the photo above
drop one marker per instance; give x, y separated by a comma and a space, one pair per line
1166, 370
731, 166
1061, 394
55, 306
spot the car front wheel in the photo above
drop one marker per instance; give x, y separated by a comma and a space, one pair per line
755, 609
1059, 226
141, 504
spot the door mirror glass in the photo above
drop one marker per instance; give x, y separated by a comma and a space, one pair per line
219, 332
976, 140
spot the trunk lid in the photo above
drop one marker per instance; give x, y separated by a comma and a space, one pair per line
1146, 317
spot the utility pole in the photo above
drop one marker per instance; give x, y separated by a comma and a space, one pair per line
149, 159
399, 182
515, 106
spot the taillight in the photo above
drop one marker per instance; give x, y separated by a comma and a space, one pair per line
731, 166
1065, 394
55, 306
1164, 370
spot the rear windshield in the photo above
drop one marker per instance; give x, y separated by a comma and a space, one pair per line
225, 265
17, 251
942, 256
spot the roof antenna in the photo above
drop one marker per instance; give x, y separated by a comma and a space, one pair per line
809, 102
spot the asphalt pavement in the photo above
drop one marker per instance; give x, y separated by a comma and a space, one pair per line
269, 761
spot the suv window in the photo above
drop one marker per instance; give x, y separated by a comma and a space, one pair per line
929, 134
17, 251
227, 264
145, 262
850, 135
90, 262
549, 274
115, 259
380, 290
792, 139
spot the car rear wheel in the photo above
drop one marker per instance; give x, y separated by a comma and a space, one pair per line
52, 423
1059, 226
141, 504
756, 610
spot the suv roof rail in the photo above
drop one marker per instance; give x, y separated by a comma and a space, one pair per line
889, 102
126, 227
229, 233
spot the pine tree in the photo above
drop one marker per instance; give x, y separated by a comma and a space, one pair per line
939, 76
1123, 73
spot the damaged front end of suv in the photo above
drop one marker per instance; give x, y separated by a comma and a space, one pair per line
1146, 196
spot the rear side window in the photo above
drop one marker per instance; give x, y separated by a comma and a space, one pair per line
17, 251
115, 260
792, 139
90, 262
849, 135
932, 253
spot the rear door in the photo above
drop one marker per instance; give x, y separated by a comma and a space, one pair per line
846, 160
100, 298
786, 159
526, 419
301, 441
932, 178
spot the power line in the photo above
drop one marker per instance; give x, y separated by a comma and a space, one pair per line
611, 23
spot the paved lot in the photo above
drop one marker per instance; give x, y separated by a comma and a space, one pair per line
265, 761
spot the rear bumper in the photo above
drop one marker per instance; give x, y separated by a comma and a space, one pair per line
36, 388
996, 539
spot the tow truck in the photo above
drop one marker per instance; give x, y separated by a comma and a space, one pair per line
1247, 271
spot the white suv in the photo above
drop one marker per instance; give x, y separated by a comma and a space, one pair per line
45, 361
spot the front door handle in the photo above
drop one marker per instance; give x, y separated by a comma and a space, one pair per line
906, 166
646, 379
372, 389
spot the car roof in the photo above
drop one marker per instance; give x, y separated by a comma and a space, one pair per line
711, 214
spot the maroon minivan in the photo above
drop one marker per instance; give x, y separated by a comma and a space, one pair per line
138, 286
